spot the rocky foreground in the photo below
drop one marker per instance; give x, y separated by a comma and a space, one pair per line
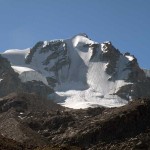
27, 122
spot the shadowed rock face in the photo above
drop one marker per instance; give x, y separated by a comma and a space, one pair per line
140, 84
9, 79
32, 51
110, 55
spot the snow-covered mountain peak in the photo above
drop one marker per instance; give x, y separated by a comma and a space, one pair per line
83, 73
81, 40
82, 34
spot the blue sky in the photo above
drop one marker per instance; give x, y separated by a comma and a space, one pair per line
124, 22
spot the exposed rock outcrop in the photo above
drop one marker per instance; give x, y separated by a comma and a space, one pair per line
9, 79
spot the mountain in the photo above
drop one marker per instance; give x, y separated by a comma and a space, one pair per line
83, 73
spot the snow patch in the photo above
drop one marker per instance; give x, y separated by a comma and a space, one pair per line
147, 72
130, 58
28, 74
45, 44
20, 70
80, 40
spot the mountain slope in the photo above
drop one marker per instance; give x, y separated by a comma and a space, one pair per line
82, 72
33, 122
18, 109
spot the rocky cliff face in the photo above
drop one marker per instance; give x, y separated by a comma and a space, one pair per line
9, 79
